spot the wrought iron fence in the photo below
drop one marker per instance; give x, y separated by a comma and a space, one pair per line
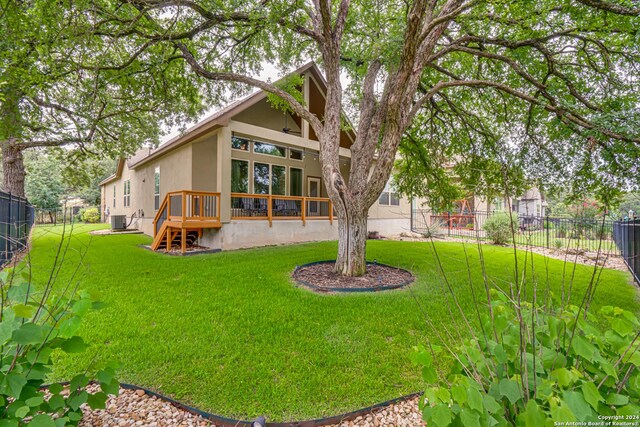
626, 235
542, 231
16, 220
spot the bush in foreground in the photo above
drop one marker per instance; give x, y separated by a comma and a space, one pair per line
33, 326
499, 227
572, 368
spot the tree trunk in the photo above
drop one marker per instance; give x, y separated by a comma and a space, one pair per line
13, 168
352, 242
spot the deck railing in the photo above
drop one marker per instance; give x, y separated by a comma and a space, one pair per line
185, 206
269, 207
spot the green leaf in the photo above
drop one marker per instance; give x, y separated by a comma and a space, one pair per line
459, 394
562, 414
577, 404
74, 345
510, 389
441, 415
70, 327
583, 348
112, 387
592, 395
77, 399
500, 354
8, 423
55, 388
533, 416
56, 402
97, 400
622, 326
475, 399
491, 404
82, 307
430, 375
15, 382
469, 418
42, 420
617, 399
28, 333
563, 376
35, 401
78, 382
6, 330
22, 411
23, 311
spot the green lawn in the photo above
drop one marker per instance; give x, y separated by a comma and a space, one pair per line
231, 334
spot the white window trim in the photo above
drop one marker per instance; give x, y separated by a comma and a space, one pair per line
249, 146
387, 189
295, 149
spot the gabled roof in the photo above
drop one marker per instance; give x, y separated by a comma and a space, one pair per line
116, 175
221, 118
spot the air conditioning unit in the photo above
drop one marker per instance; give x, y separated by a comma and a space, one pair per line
118, 222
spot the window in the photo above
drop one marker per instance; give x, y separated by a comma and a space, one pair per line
239, 143
127, 193
156, 188
295, 182
278, 180
114, 196
261, 178
270, 149
239, 176
295, 154
389, 197
497, 204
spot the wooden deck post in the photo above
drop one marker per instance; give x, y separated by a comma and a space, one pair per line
269, 211
304, 204
184, 206
168, 206
168, 248
183, 240
330, 213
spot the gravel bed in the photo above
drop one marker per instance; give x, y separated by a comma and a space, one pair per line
324, 278
135, 408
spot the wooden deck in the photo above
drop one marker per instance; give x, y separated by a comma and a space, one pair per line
182, 218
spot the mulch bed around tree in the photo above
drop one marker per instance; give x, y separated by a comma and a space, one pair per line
320, 276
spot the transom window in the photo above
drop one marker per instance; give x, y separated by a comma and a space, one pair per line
295, 154
389, 196
127, 193
239, 143
269, 149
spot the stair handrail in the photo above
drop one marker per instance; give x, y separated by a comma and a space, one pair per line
161, 209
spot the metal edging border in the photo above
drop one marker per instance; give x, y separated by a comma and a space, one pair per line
351, 290
230, 422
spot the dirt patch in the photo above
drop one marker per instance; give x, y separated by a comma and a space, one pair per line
321, 277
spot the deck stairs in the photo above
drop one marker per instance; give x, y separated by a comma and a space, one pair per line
182, 218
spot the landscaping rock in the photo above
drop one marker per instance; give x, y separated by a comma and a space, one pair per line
134, 408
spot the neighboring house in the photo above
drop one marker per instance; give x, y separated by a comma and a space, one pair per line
248, 175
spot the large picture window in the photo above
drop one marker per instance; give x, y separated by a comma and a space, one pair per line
127, 193
156, 188
239, 176
270, 149
389, 196
295, 182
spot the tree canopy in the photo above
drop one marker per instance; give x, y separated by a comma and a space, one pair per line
61, 87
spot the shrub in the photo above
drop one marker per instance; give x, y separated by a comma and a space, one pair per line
35, 325
469, 226
90, 215
558, 244
433, 229
575, 370
499, 227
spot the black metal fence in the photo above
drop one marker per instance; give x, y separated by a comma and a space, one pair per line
16, 220
626, 234
542, 231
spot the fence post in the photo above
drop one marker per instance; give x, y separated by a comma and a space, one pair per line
547, 228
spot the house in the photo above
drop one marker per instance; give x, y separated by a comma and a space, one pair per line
248, 175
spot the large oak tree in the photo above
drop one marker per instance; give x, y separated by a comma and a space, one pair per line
49, 97
560, 72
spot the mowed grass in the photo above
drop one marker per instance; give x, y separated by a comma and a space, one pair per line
231, 334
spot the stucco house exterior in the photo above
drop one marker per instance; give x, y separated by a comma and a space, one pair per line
248, 175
